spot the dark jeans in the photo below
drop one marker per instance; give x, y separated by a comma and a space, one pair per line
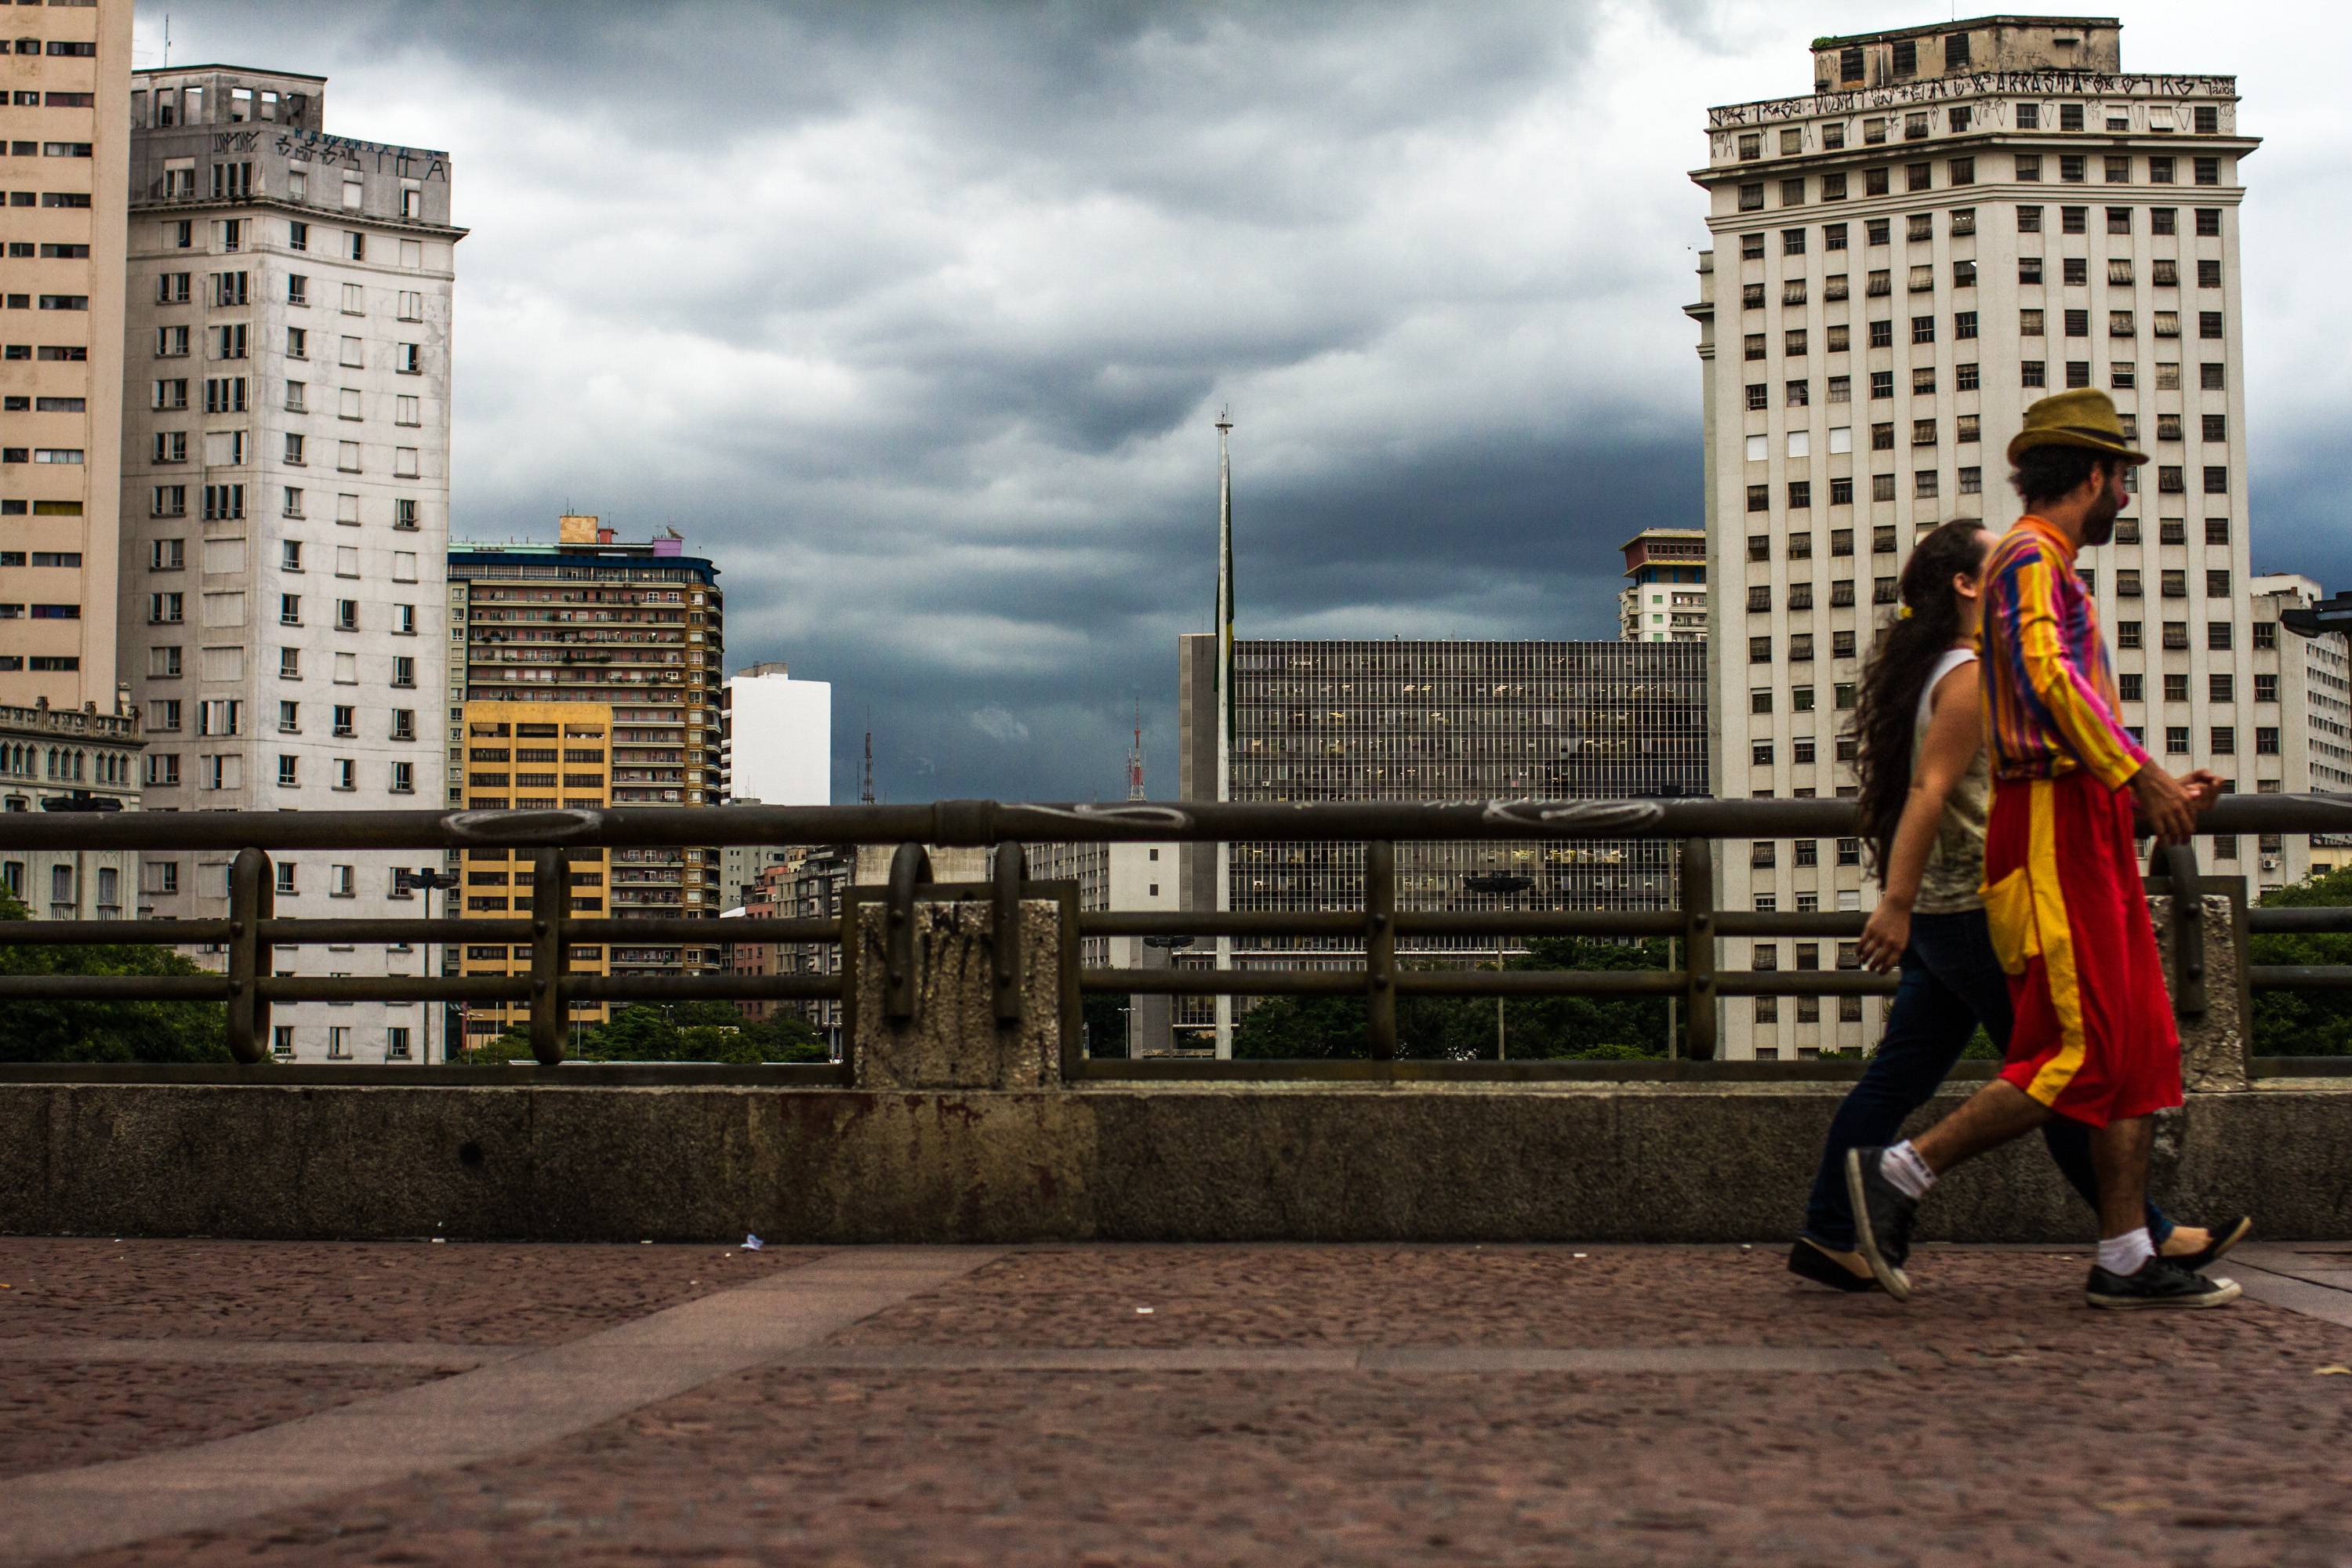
1951, 982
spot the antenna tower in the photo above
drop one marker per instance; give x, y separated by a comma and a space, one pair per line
1135, 758
866, 790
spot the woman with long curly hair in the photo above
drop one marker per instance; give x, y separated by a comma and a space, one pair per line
1924, 797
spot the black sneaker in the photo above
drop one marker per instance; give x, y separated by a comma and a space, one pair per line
2225, 1236
1883, 1215
1825, 1265
2160, 1282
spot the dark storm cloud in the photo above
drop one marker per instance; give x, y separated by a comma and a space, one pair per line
915, 316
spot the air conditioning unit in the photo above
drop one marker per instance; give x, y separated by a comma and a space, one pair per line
2270, 862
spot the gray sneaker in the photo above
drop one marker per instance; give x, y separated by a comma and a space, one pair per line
1883, 1217
2159, 1282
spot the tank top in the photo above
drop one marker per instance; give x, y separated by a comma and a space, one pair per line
1956, 860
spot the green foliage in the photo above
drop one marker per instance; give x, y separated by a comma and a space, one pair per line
1450, 1028
514, 1046
685, 1032
1980, 1049
697, 1032
2305, 1022
104, 1031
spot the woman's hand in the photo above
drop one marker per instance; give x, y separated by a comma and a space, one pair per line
1886, 935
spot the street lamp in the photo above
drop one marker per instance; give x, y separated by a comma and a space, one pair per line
1501, 884
427, 879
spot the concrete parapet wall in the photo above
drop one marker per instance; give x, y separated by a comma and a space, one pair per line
1227, 1163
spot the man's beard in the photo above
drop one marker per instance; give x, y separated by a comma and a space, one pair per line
2099, 522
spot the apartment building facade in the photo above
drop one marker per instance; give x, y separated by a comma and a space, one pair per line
2303, 735
64, 161
71, 759
546, 755
1956, 221
1665, 598
286, 456
635, 632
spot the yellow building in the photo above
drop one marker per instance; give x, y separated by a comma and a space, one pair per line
530, 756
65, 163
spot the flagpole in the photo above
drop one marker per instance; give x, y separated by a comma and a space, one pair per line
1224, 710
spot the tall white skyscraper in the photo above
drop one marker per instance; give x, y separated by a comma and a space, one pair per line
1957, 220
286, 499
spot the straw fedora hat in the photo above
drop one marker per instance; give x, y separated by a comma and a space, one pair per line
2086, 418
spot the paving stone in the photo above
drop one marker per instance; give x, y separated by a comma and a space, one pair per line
475, 1294
2011, 1423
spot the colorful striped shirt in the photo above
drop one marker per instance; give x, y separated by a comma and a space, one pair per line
2049, 687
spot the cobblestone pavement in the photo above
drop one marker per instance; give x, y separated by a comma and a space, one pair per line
352, 1290
55, 1413
2015, 1425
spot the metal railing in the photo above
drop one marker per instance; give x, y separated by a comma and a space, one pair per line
252, 930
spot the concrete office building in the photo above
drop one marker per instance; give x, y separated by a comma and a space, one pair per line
1959, 219
1424, 721
65, 160
79, 759
2302, 725
286, 464
1664, 598
634, 630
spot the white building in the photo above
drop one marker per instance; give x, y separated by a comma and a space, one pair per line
2302, 725
1957, 220
286, 482
779, 737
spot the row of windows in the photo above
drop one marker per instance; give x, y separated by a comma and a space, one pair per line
74, 199
168, 663
1968, 480
230, 342
2123, 375
1962, 223
1878, 181
170, 609
226, 771
224, 717
231, 235
2129, 636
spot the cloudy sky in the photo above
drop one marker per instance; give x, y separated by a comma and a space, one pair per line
917, 317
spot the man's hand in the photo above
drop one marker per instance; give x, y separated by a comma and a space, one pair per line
2166, 805
2204, 788
1887, 933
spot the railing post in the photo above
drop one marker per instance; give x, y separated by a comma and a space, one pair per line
1004, 937
2188, 930
252, 899
909, 866
1379, 946
1699, 949
550, 907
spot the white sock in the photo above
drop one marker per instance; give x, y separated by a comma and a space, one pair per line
2123, 1254
1903, 1166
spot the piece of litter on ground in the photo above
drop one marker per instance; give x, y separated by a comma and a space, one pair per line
2322, 1371
752, 1244
1580, 1254
439, 1239
1143, 1311
645, 1243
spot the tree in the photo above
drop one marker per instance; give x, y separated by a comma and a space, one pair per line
2304, 1023
1455, 1028
700, 1031
121, 1031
